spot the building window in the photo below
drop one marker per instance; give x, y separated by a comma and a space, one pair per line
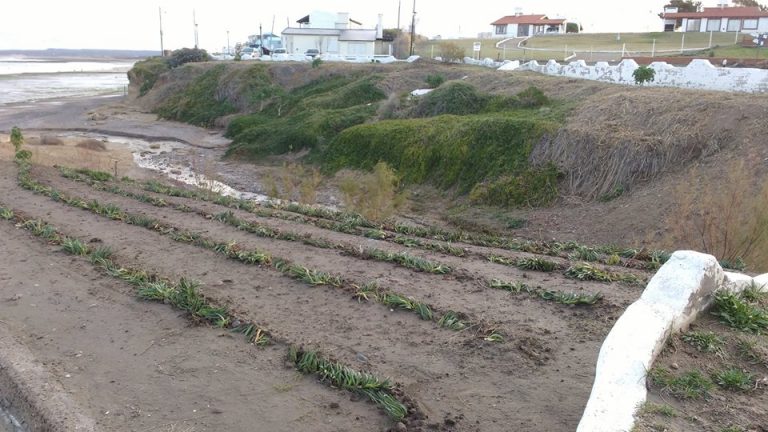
501, 29
713, 25
750, 24
694, 25
734, 25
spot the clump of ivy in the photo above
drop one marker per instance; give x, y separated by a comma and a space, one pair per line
643, 74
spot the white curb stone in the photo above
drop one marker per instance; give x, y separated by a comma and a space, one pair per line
674, 297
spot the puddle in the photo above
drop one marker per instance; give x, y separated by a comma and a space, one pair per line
164, 157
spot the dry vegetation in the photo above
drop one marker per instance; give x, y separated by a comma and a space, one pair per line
724, 217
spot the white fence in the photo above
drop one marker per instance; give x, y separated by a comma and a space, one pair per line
699, 74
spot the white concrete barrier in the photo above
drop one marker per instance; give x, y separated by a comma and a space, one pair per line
680, 291
699, 74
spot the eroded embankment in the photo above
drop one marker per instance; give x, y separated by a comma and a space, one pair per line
602, 138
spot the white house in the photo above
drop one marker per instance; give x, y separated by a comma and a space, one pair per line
520, 25
717, 19
333, 35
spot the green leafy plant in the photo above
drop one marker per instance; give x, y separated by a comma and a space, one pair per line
74, 246
738, 313
434, 80
704, 341
377, 390
17, 139
660, 409
689, 385
451, 320
734, 379
643, 74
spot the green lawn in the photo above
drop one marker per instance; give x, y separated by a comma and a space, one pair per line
634, 43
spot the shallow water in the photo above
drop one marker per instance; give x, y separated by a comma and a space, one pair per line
159, 157
24, 80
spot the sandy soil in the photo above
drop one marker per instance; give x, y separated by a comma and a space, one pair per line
721, 408
95, 338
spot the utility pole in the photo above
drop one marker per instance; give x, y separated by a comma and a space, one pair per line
261, 40
399, 4
162, 50
413, 26
194, 22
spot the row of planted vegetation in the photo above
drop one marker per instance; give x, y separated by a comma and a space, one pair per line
185, 295
456, 137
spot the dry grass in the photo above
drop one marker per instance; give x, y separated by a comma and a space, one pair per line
68, 153
294, 182
92, 144
374, 195
624, 136
724, 217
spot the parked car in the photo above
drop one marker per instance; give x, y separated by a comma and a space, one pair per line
312, 52
279, 51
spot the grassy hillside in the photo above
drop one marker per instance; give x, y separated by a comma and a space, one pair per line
456, 137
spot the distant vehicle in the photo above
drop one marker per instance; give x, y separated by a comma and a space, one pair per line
312, 52
279, 51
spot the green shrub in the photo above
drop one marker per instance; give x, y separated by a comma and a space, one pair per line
434, 81
17, 139
200, 102
460, 98
532, 187
532, 97
305, 117
446, 150
456, 97
187, 55
317, 62
451, 52
259, 134
643, 74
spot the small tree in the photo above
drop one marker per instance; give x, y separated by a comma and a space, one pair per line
187, 55
643, 74
451, 52
17, 139
572, 27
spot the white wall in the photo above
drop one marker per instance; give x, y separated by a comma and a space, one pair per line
299, 44
762, 25
699, 74
351, 48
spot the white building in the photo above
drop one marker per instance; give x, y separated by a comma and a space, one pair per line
717, 19
520, 25
333, 35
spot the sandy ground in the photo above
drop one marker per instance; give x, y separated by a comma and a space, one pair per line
130, 365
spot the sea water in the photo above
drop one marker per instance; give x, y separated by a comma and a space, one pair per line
29, 79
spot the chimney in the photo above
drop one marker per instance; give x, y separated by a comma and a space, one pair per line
380, 27
518, 11
722, 4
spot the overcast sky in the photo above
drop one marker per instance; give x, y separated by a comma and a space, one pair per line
30, 24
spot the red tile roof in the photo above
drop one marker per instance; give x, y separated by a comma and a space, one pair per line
714, 12
528, 19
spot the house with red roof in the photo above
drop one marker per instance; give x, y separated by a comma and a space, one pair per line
723, 18
520, 25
